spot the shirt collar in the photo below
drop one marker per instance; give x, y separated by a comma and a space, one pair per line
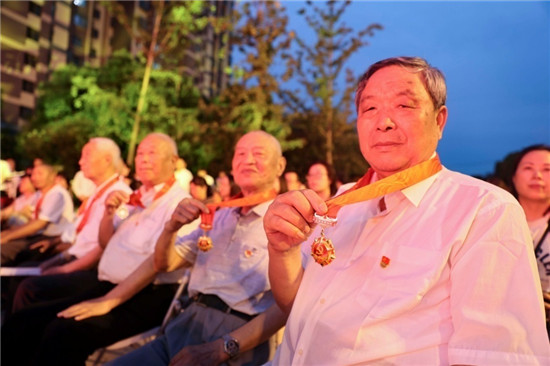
99, 187
259, 209
414, 193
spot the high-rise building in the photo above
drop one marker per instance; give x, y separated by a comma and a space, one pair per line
38, 36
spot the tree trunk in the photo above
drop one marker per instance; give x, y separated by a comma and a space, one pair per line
144, 85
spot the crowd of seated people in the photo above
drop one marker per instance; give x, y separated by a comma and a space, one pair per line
109, 269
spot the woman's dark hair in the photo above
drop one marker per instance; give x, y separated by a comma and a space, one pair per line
331, 173
201, 182
517, 159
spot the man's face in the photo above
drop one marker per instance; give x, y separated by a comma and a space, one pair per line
93, 162
256, 164
397, 123
42, 177
155, 163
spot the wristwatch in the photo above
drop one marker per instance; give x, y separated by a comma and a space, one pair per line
230, 346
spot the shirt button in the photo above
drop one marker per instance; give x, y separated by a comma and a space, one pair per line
300, 352
322, 301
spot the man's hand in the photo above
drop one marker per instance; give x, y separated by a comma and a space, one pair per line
289, 219
87, 309
115, 199
43, 245
206, 354
188, 210
27, 211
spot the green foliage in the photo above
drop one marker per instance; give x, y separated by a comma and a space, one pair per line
89, 102
322, 105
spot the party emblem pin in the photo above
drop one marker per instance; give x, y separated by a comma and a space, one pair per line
384, 262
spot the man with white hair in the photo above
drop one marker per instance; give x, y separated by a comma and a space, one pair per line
128, 232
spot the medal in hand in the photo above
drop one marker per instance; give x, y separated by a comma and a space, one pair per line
322, 249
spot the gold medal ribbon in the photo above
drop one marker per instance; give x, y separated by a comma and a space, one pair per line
207, 219
322, 249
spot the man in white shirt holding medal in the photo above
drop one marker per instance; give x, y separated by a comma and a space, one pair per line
426, 269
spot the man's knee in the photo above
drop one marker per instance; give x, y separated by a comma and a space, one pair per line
25, 293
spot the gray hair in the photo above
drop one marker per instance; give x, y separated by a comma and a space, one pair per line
169, 141
275, 142
432, 78
110, 147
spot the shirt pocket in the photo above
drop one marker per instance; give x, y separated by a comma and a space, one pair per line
141, 235
400, 285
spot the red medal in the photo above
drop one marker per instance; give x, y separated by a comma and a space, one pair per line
322, 249
205, 243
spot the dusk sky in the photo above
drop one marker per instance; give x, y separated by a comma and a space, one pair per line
496, 59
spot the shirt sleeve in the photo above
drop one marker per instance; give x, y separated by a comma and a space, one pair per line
186, 245
496, 302
52, 207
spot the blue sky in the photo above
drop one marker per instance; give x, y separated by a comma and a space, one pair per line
496, 59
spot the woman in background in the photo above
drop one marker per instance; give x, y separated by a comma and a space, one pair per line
531, 186
321, 178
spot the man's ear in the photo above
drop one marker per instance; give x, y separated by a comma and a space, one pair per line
281, 166
441, 119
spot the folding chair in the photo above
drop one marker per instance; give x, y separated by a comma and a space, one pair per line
126, 345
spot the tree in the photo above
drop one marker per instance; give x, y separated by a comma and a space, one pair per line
259, 34
83, 102
321, 113
180, 20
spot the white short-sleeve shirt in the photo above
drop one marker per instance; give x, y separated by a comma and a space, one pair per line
135, 237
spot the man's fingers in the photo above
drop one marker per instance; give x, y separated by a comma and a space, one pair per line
317, 203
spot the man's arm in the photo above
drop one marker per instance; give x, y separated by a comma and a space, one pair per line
106, 226
7, 211
287, 223
166, 258
87, 261
144, 274
30, 228
250, 335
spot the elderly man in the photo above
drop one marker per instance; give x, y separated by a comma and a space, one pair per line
233, 313
52, 214
100, 161
34, 330
424, 266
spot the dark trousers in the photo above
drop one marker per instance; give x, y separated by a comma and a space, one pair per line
34, 335
17, 251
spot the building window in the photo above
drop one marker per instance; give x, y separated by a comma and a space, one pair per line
29, 60
76, 41
32, 34
25, 113
95, 33
96, 13
92, 52
28, 86
145, 5
79, 20
35, 8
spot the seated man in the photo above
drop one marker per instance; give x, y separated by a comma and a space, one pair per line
53, 212
100, 162
429, 266
128, 243
233, 313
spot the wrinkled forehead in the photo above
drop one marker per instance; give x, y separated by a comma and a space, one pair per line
259, 141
